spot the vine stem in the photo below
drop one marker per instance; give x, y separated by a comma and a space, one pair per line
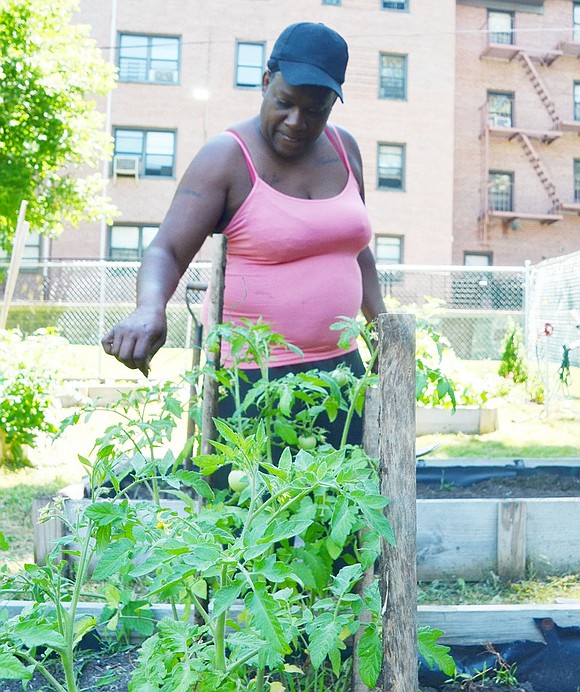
43, 671
360, 385
67, 655
220, 633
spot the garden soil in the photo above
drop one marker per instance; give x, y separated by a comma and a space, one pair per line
537, 485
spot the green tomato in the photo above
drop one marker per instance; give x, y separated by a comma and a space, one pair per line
237, 480
307, 442
340, 376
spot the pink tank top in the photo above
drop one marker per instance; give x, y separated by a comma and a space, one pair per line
293, 263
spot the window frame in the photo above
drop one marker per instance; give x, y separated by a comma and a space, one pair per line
143, 155
337, 3
149, 59
576, 173
576, 22
473, 253
388, 5
389, 236
237, 66
33, 242
382, 89
576, 98
403, 149
140, 246
512, 32
510, 96
511, 195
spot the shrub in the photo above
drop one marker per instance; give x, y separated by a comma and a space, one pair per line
513, 358
27, 377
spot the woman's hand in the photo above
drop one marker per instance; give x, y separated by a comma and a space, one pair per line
137, 338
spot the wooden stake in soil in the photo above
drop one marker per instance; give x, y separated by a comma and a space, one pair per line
216, 306
398, 578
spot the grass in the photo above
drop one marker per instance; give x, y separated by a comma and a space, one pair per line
495, 591
526, 428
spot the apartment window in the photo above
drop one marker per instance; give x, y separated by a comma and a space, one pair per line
500, 108
501, 191
30, 251
249, 64
154, 148
399, 5
576, 21
393, 76
576, 100
577, 180
391, 166
130, 242
389, 249
148, 59
477, 259
500, 26
331, 2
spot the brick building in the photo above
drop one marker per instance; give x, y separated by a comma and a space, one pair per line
467, 114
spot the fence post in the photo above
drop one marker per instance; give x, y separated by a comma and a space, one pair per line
216, 306
398, 568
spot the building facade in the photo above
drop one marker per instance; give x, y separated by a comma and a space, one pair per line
517, 127
465, 113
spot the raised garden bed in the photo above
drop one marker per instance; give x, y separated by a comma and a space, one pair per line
468, 420
468, 537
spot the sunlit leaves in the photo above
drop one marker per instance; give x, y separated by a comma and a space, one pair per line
50, 129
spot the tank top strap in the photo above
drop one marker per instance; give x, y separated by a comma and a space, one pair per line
337, 143
249, 163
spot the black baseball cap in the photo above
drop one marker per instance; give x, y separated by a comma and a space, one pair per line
311, 54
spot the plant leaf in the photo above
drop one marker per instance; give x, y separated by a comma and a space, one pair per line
32, 633
265, 614
12, 668
113, 558
323, 637
370, 655
434, 654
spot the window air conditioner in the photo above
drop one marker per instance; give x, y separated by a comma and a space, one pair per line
167, 76
500, 121
126, 165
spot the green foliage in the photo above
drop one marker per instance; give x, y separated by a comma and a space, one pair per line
49, 124
513, 358
27, 378
433, 653
441, 380
272, 571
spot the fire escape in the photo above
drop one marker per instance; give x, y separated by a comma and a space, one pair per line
499, 127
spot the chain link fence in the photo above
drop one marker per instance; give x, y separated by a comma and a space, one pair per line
473, 307
553, 310
83, 299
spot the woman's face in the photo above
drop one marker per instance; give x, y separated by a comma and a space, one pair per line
293, 117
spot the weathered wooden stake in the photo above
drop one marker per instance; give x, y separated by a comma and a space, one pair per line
216, 306
20, 235
398, 569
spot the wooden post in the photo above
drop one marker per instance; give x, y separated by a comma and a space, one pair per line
398, 568
46, 534
511, 539
216, 306
20, 236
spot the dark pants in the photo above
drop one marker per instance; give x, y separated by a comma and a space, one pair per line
334, 429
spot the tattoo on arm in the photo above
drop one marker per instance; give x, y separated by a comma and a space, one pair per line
186, 191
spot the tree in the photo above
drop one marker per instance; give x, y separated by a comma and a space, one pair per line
51, 133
